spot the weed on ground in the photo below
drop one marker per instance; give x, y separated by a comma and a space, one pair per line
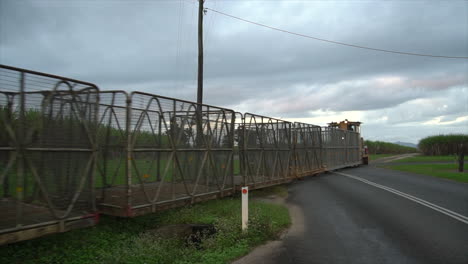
119, 240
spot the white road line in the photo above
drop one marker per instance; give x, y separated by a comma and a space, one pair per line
440, 209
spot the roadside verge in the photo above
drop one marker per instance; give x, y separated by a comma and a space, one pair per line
270, 251
140, 239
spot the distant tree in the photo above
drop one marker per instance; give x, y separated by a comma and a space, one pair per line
456, 144
180, 135
379, 147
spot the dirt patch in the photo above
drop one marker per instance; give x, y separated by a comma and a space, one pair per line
193, 234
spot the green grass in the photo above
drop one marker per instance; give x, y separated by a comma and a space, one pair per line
117, 240
448, 171
379, 156
428, 159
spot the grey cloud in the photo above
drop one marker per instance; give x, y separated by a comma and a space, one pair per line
445, 105
351, 95
151, 46
409, 133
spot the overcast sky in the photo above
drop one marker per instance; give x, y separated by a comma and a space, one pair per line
151, 46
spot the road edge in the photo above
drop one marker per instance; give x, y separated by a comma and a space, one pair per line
273, 248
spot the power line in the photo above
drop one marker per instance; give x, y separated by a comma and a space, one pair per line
335, 42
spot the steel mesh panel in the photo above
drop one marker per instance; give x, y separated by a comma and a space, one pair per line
266, 149
334, 147
341, 148
10, 81
63, 151
307, 149
238, 162
111, 180
179, 149
353, 148
8, 112
46, 148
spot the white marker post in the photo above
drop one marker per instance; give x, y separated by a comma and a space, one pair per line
245, 207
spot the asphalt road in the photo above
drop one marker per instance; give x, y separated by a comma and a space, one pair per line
346, 220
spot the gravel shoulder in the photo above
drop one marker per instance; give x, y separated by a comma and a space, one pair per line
270, 251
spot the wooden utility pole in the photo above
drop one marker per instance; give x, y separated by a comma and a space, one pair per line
200, 52
199, 140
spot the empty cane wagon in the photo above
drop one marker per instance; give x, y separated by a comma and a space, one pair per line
47, 154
